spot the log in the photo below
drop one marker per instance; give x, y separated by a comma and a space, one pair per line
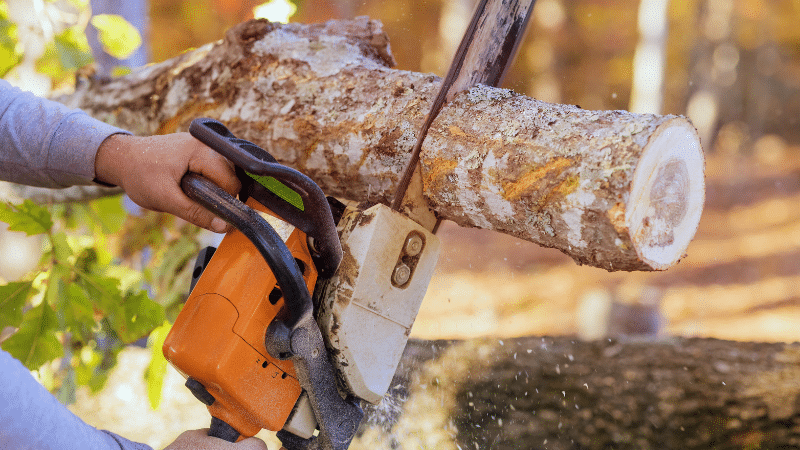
611, 189
561, 393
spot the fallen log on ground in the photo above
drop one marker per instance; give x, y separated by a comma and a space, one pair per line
611, 189
564, 394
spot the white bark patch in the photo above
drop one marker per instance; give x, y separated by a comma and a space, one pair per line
581, 200
482, 93
573, 218
247, 108
493, 195
356, 146
192, 58
283, 129
287, 107
317, 160
176, 97
468, 199
338, 52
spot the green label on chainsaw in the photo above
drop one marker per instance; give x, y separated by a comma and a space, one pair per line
279, 189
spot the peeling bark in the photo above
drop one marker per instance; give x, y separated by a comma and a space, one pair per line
611, 189
565, 394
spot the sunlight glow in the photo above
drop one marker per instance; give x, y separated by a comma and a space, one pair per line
275, 11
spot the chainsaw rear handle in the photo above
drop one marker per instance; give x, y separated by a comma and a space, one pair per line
315, 218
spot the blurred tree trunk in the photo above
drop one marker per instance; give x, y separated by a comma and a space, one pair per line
713, 67
650, 58
560, 393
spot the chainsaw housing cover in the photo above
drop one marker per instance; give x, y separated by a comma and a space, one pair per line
367, 309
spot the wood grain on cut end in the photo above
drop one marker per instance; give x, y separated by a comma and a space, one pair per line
667, 194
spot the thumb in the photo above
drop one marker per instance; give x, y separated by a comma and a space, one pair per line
251, 443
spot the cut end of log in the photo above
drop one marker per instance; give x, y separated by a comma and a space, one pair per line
667, 194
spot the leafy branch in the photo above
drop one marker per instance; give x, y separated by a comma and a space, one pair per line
83, 305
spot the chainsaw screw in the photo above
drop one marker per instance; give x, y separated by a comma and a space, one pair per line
401, 274
312, 245
413, 244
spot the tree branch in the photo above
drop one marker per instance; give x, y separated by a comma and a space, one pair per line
611, 189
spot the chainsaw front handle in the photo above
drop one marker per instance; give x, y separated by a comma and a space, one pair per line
314, 217
262, 235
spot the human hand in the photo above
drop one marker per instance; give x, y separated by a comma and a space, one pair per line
200, 440
149, 170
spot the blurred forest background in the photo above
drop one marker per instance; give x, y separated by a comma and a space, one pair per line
732, 66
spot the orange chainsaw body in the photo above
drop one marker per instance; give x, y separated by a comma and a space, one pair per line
218, 338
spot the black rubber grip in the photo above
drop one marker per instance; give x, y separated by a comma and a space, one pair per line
220, 429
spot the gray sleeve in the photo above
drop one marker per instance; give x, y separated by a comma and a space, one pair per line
44, 143
31, 418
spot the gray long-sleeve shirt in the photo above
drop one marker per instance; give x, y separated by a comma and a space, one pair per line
44, 143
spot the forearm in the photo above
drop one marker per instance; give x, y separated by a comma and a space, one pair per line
44, 143
31, 418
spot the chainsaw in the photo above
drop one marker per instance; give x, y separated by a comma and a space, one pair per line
303, 310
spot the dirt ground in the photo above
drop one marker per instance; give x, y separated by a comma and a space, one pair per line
740, 281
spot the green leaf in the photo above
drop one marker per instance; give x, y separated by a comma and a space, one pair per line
61, 248
157, 369
103, 291
118, 37
8, 60
27, 216
72, 49
138, 316
89, 368
35, 342
12, 299
110, 213
76, 309
9, 57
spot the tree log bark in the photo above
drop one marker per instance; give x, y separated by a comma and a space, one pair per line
559, 393
611, 189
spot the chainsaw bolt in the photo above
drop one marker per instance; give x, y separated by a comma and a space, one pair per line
312, 245
413, 244
401, 274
